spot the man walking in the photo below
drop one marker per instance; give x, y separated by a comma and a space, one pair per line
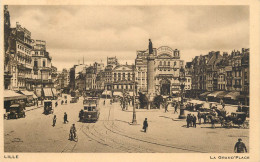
145, 125
240, 147
65, 118
166, 107
194, 121
175, 108
188, 121
54, 121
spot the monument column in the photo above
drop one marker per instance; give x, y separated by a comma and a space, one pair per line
150, 74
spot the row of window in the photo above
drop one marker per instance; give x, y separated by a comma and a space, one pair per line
123, 87
167, 63
23, 49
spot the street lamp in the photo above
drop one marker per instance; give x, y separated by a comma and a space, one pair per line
134, 122
182, 80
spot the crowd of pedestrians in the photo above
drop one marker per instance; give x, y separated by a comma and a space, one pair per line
191, 120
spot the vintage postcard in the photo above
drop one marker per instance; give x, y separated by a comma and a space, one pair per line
130, 81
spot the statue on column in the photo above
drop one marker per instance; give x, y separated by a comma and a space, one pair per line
150, 47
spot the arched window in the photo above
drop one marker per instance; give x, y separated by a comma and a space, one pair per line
164, 63
160, 63
169, 63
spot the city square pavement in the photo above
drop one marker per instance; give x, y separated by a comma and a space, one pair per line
113, 132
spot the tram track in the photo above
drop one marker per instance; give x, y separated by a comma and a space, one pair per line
70, 148
146, 141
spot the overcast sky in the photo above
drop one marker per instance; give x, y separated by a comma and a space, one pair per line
96, 32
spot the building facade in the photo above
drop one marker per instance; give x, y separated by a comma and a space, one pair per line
123, 78
42, 66
166, 70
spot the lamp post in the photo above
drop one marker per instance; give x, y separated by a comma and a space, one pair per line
182, 85
134, 122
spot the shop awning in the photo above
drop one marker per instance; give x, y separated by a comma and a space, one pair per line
54, 92
47, 92
118, 94
38, 92
196, 102
222, 94
108, 93
204, 94
232, 95
11, 95
30, 94
214, 94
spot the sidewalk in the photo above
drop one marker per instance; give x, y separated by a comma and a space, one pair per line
33, 108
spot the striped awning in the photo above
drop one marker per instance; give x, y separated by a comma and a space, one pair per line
47, 92
29, 93
11, 95
54, 92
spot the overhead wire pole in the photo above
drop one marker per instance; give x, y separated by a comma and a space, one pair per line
134, 113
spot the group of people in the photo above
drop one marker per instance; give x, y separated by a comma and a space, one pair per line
191, 120
65, 119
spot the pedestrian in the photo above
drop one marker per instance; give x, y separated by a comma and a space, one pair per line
65, 118
110, 101
37, 102
145, 125
194, 121
239, 108
54, 120
199, 117
81, 113
212, 121
240, 147
166, 107
104, 102
205, 118
175, 108
73, 132
191, 120
188, 121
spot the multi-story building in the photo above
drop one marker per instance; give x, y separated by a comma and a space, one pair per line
98, 67
223, 73
188, 76
123, 78
141, 70
112, 62
167, 68
90, 78
42, 66
18, 58
63, 79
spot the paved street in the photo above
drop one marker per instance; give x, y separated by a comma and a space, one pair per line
114, 133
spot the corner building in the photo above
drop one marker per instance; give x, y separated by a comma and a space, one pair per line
167, 66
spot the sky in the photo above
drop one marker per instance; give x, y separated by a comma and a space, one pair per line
98, 32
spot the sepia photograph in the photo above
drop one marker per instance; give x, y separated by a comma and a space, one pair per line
127, 79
